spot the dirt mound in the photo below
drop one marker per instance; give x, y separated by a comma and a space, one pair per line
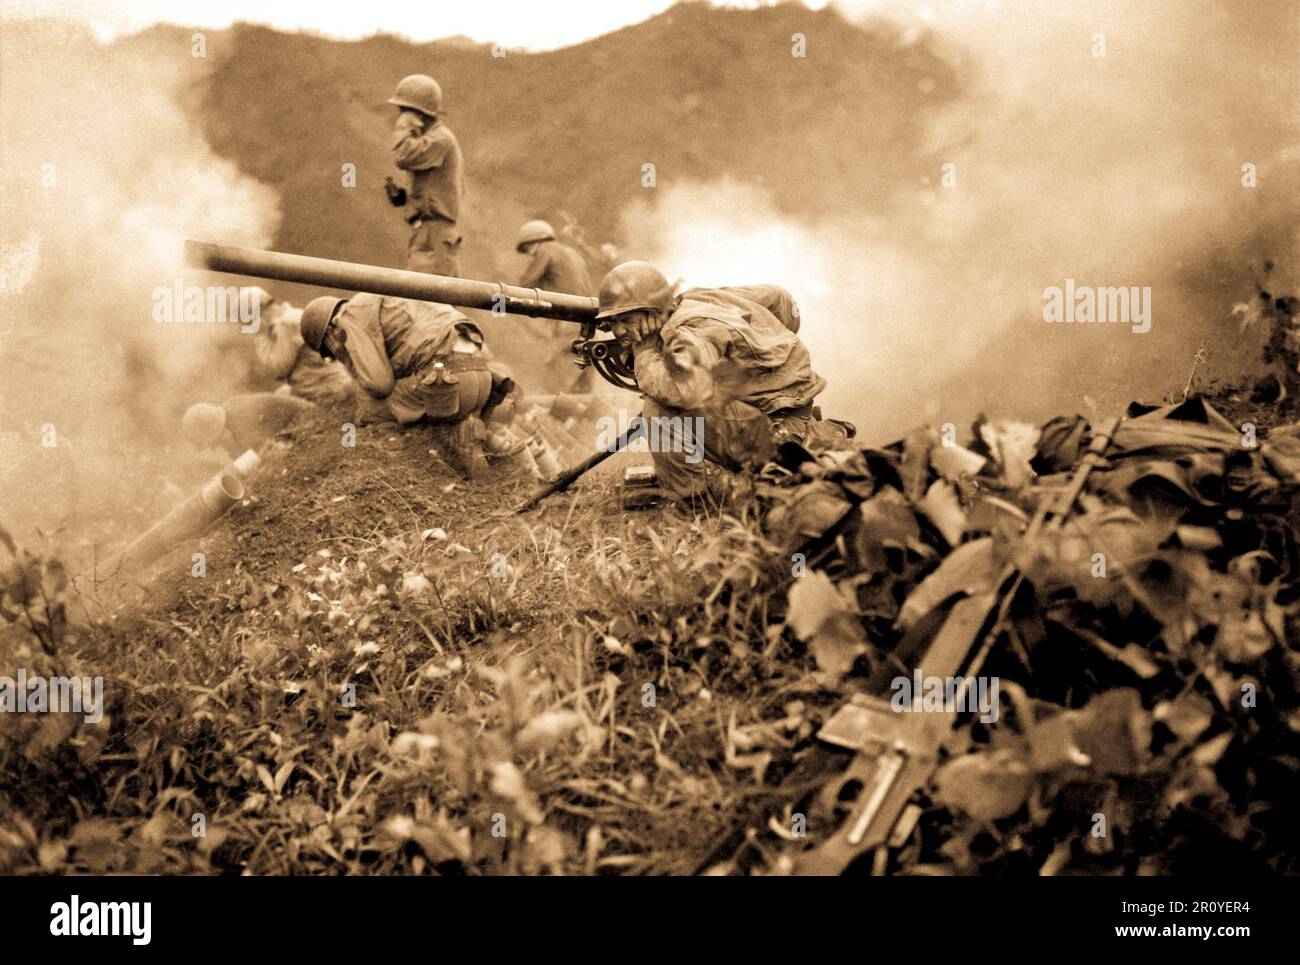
320, 488
361, 596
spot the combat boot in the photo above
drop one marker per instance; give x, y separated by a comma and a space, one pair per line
467, 445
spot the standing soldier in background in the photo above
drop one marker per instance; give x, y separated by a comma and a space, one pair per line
427, 148
555, 266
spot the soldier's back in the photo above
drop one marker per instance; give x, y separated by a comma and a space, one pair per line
566, 271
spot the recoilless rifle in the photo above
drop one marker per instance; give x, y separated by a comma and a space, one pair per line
609, 357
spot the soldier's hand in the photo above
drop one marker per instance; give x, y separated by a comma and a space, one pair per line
649, 323
396, 193
410, 121
626, 331
635, 326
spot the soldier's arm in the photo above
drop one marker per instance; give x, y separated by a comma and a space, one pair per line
277, 351
414, 149
677, 369
366, 358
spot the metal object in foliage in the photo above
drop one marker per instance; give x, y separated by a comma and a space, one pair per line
896, 754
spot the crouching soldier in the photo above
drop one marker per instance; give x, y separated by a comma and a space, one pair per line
724, 375
412, 361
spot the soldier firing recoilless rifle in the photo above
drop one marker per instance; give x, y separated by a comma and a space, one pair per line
680, 342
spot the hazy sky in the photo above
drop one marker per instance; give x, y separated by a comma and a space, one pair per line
516, 23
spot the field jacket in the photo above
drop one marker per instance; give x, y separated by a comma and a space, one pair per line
432, 155
743, 336
392, 344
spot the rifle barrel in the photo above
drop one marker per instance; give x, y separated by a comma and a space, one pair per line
324, 272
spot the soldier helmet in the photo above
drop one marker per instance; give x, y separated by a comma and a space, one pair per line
418, 92
534, 231
631, 286
316, 318
203, 424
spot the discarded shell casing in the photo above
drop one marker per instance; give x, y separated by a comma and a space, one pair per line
639, 477
187, 520
246, 463
524, 460
640, 488
561, 406
565, 407
545, 457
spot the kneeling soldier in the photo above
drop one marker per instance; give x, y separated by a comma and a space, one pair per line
412, 360
724, 375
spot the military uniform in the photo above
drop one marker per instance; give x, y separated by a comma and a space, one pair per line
282, 356
428, 149
730, 357
393, 347
554, 266
558, 268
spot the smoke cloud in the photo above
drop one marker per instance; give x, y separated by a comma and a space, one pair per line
103, 178
1151, 145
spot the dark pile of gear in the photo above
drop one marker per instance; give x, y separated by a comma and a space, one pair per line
1126, 594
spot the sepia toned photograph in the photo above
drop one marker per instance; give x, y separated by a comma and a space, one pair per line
854, 438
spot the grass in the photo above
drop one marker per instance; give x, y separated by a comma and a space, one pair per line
542, 694
382, 672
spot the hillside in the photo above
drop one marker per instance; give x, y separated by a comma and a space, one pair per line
369, 665
383, 673
843, 146
568, 130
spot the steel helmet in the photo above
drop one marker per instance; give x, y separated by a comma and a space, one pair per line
203, 424
419, 92
534, 231
634, 285
316, 318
